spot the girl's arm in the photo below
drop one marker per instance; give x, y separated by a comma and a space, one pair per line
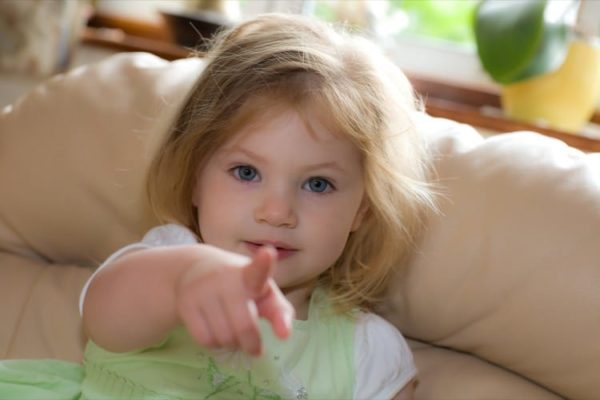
130, 304
218, 295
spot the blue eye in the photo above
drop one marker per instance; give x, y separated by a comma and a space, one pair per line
319, 185
245, 173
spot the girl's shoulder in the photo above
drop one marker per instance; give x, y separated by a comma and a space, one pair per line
383, 359
169, 235
378, 335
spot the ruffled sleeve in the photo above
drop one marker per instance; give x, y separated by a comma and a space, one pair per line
384, 362
163, 235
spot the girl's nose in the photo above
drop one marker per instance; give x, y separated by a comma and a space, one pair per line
276, 209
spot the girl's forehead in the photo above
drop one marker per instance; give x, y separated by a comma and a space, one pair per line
279, 120
261, 113
292, 137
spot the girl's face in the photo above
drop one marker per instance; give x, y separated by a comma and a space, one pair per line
277, 182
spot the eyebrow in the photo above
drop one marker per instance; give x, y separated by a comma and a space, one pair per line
259, 158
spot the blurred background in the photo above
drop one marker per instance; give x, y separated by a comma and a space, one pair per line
433, 41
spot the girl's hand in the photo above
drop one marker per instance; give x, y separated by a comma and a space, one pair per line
219, 302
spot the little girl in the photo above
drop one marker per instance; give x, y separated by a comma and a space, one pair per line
292, 186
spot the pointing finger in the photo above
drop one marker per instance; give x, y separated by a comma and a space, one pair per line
257, 273
278, 310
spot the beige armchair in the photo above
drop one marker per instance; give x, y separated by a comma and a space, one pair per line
502, 300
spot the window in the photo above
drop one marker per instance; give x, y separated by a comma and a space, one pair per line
428, 38
436, 34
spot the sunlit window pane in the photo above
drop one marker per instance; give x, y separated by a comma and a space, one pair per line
442, 20
448, 20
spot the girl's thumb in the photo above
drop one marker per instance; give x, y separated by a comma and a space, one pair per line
257, 273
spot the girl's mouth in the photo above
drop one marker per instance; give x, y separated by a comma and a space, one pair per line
283, 250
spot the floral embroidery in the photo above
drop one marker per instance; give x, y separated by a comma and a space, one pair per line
243, 385
302, 394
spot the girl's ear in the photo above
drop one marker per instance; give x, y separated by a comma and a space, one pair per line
360, 216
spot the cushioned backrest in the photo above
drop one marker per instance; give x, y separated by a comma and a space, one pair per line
74, 153
510, 269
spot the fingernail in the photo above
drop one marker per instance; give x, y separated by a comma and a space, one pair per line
270, 249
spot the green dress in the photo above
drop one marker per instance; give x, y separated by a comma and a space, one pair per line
316, 362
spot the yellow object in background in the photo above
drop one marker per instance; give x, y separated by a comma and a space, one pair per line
564, 99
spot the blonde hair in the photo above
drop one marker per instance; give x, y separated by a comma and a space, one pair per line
304, 63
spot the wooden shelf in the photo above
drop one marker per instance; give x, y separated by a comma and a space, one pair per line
115, 39
482, 109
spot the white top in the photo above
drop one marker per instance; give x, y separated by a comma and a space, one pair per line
383, 361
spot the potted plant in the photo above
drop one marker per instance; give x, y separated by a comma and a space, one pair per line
549, 71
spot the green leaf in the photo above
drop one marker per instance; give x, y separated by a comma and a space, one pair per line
551, 52
513, 40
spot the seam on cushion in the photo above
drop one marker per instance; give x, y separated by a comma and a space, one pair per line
26, 304
23, 249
